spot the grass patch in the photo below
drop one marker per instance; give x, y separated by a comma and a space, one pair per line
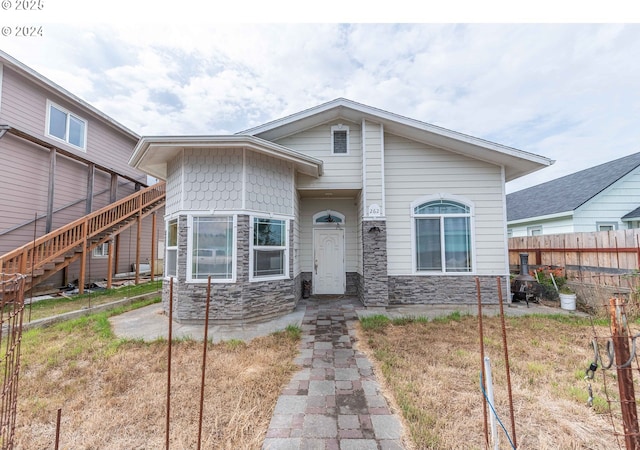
61, 305
293, 331
455, 316
374, 322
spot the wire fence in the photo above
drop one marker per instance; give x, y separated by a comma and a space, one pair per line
11, 313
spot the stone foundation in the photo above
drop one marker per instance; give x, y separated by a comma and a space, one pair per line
230, 303
407, 290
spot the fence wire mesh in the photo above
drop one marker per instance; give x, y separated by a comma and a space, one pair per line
11, 313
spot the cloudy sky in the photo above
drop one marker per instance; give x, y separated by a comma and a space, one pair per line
568, 91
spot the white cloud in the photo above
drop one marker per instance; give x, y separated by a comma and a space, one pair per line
568, 92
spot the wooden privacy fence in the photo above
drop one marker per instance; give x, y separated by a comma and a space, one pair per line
608, 258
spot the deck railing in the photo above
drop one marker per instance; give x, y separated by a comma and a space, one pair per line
60, 243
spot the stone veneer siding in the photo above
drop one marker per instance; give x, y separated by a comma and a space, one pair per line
407, 290
242, 301
375, 288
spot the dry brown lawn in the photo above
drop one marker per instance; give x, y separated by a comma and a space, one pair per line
431, 372
113, 393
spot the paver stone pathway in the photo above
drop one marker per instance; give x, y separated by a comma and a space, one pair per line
334, 401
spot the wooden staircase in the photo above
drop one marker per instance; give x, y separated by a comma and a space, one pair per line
49, 254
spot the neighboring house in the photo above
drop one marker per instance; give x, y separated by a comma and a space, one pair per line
61, 159
356, 200
601, 198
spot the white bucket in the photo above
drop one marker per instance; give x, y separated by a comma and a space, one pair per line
568, 301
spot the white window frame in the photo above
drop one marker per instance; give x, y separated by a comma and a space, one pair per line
472, 250
234, 246
101, 251
171, 248
613, 225
339, 127
69, 114
534, 229
252, 247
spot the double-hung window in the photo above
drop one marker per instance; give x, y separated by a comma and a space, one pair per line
443, 234
270, 250
212, 248
171, 265
66, 126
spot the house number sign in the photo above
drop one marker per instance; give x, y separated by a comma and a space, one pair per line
374, 210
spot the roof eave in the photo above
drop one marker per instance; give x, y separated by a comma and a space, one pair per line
517, 163
541, 218
140, 158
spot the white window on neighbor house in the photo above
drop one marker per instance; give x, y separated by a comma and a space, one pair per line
340, 139
606, 226
66, 126
442, 236
101, 251
211, 248
534, 231
269, 257
171, 262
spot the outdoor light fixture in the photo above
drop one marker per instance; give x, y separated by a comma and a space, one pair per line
374, 230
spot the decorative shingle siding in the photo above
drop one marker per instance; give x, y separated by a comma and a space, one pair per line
212, 179
269, 184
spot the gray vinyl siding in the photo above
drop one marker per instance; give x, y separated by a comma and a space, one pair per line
359, 249
340, 171
297, 267
414, 170
373, 165
308, 208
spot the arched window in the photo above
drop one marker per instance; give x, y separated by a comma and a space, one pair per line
328, 217
442, 233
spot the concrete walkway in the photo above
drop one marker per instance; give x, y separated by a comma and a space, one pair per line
334, 401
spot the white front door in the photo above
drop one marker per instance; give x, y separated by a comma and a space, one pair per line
328, 262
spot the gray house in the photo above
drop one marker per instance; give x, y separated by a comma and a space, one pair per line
601, 198
356, 200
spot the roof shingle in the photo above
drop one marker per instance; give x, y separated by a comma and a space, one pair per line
569, 192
